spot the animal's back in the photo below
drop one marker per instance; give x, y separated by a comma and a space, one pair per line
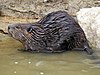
57, 17
63, 32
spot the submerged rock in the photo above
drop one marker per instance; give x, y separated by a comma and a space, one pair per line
89, 20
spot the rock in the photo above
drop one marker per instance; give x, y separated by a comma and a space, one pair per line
89, 20
35, 8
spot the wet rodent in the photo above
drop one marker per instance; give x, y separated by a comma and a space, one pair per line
55, 32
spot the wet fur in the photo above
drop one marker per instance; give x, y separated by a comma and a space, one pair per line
56, 32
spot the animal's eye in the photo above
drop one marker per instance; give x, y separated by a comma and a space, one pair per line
17, 27
29, 30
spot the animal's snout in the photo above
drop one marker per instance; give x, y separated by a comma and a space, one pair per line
10, 27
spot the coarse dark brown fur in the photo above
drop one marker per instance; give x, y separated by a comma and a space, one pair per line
56, 32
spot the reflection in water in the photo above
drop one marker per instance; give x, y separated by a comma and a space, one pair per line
14, 62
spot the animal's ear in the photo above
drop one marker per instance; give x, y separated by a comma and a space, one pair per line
36, 29
29, 29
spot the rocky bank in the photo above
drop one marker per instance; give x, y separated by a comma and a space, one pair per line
89, 20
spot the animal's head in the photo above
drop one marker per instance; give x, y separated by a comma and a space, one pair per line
23, 32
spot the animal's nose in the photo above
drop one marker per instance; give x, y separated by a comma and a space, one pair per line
8, 27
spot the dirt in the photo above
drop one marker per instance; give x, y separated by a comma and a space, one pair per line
6, 20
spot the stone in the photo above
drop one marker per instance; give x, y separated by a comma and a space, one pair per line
39, 8
89, 20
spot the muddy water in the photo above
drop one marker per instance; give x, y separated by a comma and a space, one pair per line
14, 62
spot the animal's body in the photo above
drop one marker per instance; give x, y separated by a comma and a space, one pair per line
55, 32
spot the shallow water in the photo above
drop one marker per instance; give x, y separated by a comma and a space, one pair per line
14, 62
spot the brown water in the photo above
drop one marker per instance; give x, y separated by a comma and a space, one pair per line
14, 62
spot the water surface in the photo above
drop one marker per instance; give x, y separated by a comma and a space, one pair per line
14, 62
